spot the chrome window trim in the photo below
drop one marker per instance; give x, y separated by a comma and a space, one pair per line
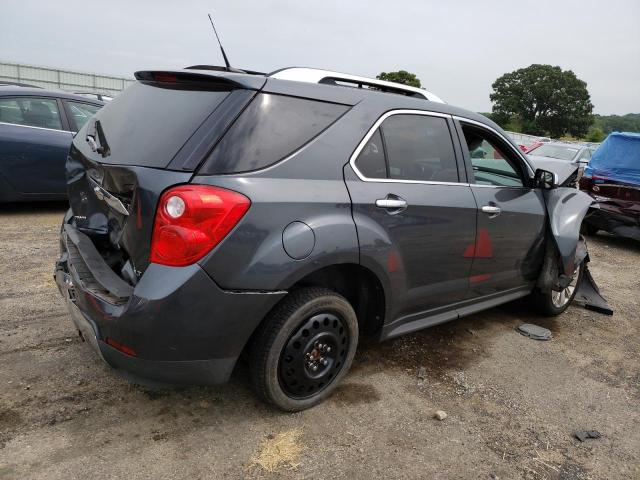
32, 126
372, 131
482, 185
496, 132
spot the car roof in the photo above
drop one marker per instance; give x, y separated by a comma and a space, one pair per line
14, 91
270, 83
576, 146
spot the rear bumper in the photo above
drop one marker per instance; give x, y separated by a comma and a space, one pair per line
178, 326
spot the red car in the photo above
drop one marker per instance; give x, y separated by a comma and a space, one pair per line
612, 178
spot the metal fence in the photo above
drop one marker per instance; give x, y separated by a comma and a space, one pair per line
62, 79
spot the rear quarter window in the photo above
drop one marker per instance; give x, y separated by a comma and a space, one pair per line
271, 128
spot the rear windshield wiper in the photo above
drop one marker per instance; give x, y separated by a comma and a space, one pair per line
97, 140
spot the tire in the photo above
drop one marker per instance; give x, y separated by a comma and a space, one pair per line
304, 347
551, 304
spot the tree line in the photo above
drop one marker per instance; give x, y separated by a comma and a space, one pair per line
543, 100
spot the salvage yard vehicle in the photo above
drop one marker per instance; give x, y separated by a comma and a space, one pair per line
613, 180
567, 152
286, 215
562, 157
36, 130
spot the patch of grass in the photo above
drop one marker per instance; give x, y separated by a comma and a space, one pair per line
278, 451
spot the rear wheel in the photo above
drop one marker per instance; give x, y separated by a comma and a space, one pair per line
555, 302
303, 348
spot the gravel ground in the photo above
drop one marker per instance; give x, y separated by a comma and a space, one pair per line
513, 404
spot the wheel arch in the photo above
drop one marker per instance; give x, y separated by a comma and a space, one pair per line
358, 284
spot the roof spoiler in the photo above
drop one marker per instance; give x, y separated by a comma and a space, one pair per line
218, 68
200, 80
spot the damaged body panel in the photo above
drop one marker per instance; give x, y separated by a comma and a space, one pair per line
285, 220
566, 208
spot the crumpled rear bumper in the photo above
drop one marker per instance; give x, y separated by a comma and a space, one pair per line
177, 325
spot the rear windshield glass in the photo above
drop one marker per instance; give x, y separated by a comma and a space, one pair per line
146, 125
271, 128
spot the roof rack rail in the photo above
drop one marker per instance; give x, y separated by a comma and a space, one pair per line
314, 75
17, 84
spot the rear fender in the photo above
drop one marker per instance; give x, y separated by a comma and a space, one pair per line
567, 208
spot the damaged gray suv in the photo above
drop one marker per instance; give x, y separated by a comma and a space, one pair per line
285, 215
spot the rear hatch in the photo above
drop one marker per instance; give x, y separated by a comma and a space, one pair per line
150, 137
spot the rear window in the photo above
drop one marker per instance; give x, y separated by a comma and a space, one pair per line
270, 129
146, 125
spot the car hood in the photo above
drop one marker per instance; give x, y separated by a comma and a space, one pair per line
563, 168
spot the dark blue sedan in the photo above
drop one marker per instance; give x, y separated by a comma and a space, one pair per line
36, 129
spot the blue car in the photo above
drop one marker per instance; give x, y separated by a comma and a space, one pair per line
36, 130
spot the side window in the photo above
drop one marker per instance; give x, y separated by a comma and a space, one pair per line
491, 166
81, 112
371, 162
30, 111
419, 147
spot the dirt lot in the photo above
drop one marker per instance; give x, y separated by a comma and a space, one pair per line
512, 403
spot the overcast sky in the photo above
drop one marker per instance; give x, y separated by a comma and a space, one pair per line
457, 48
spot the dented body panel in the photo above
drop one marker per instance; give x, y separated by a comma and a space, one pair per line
567, 208
410, 247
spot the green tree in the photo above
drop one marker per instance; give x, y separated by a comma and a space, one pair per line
401, 76
595, 135
544, 100
618, 123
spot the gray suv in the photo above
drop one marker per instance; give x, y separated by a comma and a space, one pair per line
284, 216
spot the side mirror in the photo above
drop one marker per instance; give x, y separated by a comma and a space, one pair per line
545, 179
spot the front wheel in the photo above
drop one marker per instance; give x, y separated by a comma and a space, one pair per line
304, 347
554, 302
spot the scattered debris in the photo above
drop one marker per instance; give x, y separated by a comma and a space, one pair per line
440, 415
589, 296
584, 434
283, 449
534, 331
422, 376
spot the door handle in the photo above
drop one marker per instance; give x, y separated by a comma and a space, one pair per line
491, 210
393, 203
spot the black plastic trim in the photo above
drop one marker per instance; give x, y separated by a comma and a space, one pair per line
102, 273
211, 131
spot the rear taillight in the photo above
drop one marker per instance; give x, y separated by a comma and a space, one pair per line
191, 220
